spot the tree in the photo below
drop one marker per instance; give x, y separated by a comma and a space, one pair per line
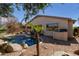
31, 9
6, 9
37, 29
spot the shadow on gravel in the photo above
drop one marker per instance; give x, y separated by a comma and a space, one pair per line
47, 39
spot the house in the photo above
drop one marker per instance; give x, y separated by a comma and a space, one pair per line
52, 23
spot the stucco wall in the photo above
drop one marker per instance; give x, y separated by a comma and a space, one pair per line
60, 35
70, 29
63, 23
45, 20
48, 33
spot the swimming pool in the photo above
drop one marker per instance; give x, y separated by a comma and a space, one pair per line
22, 40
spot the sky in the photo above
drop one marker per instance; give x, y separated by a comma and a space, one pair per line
63, 10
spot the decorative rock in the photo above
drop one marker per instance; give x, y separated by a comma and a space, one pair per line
13, 47
65, 55
6, 42
40, 42
61, 53
3, 48
8, 35
1, 41
0, 53
12, 54
9, 49
24, 46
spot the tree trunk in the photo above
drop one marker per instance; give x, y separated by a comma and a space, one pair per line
37, 45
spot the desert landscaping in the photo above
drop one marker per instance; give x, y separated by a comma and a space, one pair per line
48, 47
25, 30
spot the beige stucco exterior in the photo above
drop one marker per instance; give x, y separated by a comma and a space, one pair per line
60, 35
45, 20
63, 23
70, 28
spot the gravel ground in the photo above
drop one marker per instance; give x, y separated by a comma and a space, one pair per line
49, 50
50, 46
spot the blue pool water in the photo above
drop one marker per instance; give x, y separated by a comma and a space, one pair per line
22, 39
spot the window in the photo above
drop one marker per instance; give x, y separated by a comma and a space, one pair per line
52, 26
61, 30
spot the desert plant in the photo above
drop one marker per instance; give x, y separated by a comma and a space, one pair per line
37, 29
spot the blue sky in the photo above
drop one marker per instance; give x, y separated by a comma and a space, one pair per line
63, 10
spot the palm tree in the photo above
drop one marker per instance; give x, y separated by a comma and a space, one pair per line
37, 29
